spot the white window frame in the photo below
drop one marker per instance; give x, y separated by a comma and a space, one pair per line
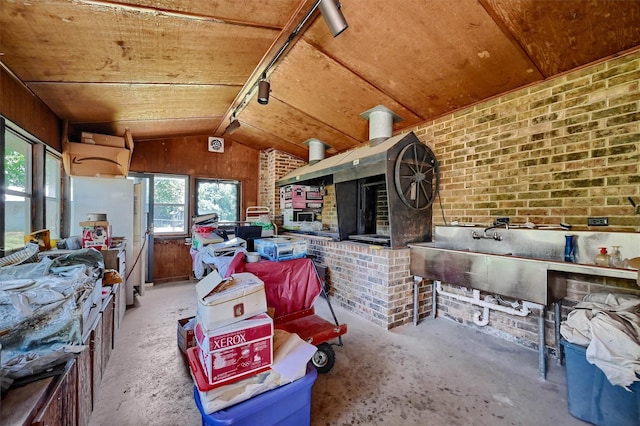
13, 132
158, 226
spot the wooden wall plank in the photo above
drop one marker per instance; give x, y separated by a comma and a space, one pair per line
171, 260
190, 156
28, 112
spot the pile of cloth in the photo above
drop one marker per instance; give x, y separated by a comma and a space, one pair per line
40, 312
608, 325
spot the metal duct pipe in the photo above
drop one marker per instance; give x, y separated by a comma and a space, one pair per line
381, 120
316, 149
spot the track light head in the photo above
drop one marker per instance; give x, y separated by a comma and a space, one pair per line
333, 16
232, 127
264, 87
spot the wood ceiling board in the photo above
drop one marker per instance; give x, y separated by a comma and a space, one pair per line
562, 35
280, 47
273, 14
433, 56
310, 81
257, 139
85, 42
292, 125
149, 129
80, 102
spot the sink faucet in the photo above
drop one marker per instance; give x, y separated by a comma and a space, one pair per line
495, 235
497, 225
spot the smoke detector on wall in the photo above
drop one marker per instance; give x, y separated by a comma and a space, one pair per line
215, 144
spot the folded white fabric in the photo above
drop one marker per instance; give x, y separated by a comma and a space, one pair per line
609, 325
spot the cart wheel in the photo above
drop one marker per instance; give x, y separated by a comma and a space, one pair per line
324, 358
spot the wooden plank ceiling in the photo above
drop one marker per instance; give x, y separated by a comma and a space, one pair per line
166, 68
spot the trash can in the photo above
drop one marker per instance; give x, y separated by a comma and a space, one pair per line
592, 398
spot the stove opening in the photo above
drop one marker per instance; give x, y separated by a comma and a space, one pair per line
373, 212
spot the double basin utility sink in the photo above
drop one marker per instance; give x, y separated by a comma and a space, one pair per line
525, 264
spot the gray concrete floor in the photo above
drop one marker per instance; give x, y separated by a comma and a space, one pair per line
438, 373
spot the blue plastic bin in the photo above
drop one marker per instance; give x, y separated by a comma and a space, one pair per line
288, 405
593, 398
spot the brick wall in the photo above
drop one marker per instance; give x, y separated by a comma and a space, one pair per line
559, 151
555, 152
274, 164
373, 283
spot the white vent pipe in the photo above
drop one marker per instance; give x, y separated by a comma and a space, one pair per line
381, 120
483, 319
317, 149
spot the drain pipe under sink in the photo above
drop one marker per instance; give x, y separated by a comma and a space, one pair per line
487, 304
482, 318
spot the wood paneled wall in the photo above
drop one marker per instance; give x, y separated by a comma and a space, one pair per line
19, 105
190, 156
171, 260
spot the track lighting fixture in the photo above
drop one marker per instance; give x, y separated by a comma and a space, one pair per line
233, 126
264, 87
330, 10
333, 16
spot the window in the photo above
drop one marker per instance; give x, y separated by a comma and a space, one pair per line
52, 185
218, 196
170, 204
18, 191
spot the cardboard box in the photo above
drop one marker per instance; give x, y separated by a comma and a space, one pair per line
84, 159
301, 204
96, 235
41, 237
105, 140
225, 301
281, 248
301, 196
186, 336
234, 351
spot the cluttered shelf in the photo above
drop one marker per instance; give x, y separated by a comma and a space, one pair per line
58, 319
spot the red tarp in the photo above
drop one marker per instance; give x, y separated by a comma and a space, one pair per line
290, 285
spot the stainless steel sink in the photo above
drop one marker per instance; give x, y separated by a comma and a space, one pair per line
508, 275
523, 264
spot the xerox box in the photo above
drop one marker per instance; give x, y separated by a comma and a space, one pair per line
186, 338
237, 350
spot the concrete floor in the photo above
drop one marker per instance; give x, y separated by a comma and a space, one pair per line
438, 373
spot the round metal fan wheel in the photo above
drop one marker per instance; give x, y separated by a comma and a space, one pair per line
417, 176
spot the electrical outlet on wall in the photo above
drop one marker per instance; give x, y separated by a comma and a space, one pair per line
598, 221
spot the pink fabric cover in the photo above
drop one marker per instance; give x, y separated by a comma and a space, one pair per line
290, 285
